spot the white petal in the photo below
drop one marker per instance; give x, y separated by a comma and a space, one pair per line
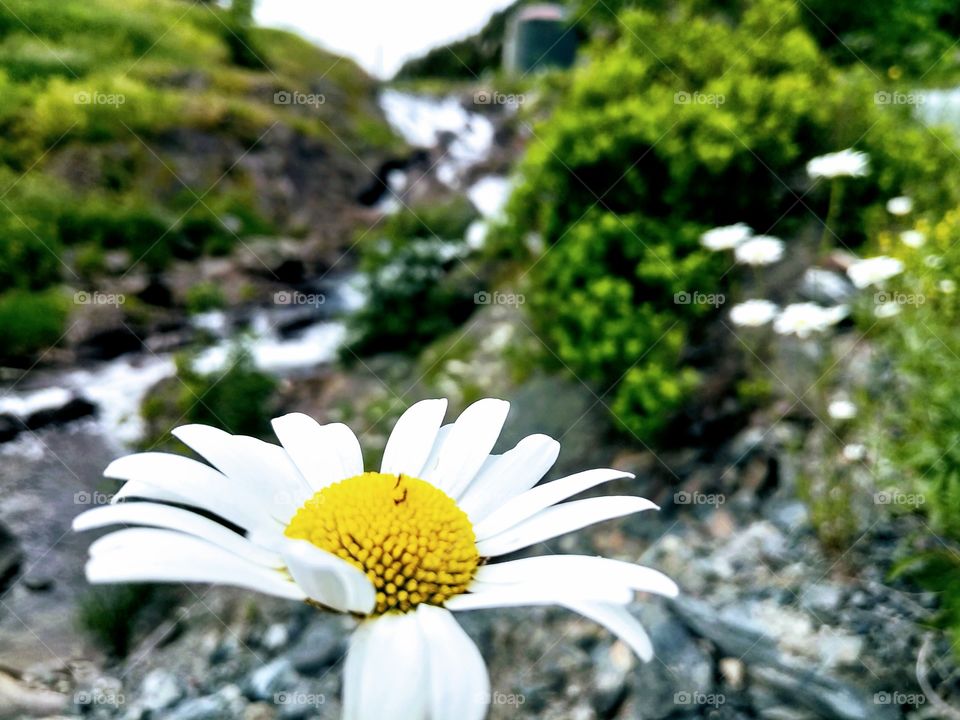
413, 438
618, 620
466, 448
521, 507
575, 572
172, 518
261, 468
504, 476
174, 478
325, 454
499, 596
433, 458
459, 687
151, 555
328, 579
561, 519
385, 676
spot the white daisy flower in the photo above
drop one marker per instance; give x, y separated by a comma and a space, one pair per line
842, 409
753, 313
803, 319
726, 237
901, 205
846, 163
947, 286
871, 271
400, 548
759, 250
913, 238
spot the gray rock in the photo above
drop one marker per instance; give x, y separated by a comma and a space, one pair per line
826, 287
822, 597
681, 674
267, 681
612, 664
319, 647
226, 704
160, 689
276, 636
790, 516
799, 685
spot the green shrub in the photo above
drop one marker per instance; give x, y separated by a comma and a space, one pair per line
418, 287
31, 322
716, 128
238, 398
109, 615
204, 297
903, 36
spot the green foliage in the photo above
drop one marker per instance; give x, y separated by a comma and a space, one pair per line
717, 127
30, 322
917, 406
205, 297
904, 36
238, 398
922, 407
109, 615
418, 287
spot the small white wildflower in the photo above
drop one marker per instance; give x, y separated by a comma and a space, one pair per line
802, 319
913, 238
753, 313
871, 271
901, 205
947, 286
846, 163
759, 250
726, 237
842, 409
854, 452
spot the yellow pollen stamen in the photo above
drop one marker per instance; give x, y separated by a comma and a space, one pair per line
407, 535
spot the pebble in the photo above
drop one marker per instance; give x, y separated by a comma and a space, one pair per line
159, 690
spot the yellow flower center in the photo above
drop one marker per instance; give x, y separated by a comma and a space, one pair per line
407, 535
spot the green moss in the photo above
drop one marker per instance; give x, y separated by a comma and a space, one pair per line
31, 322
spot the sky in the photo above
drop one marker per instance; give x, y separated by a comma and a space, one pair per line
379, 34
